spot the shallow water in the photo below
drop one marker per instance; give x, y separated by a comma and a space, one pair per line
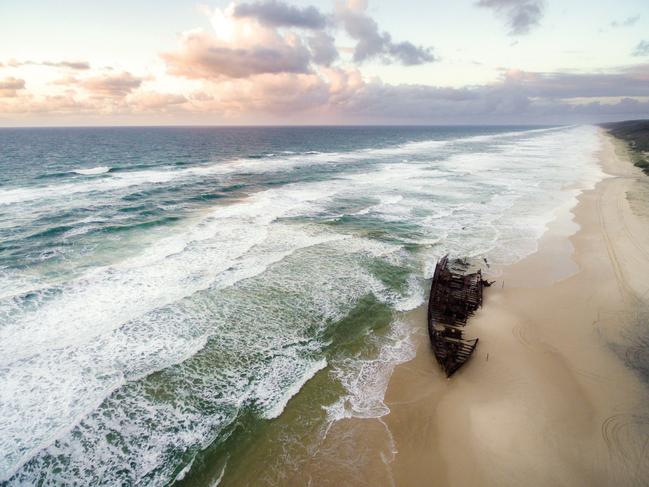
164, 292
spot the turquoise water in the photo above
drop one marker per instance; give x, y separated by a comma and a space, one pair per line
164, 292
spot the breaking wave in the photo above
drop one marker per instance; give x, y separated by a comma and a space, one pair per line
144, 311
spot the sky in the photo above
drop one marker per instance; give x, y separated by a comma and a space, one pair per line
173, 62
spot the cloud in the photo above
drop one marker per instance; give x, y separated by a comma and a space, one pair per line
77, 65
12, 83
65, 81
272, 37
155, 102
283, 95
74, 105
372, 43
628, 22
80, 65
323, 48
203, 55
274, 13
267, 62
642, 49
9, 87
409, 54
521, 15
424, 104
111, 85
628, 81
48, 105
493, 104
334, 95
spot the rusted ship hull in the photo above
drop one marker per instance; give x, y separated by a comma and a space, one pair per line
454, 296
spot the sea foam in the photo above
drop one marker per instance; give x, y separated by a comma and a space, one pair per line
228, 309
92, 170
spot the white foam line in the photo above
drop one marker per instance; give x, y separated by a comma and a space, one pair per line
183, 473
218, 480
278, 408
92, 171
366, 380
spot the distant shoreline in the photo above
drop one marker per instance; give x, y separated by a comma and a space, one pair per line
635, 133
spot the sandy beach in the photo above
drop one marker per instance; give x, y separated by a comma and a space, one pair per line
550, 397
546, 399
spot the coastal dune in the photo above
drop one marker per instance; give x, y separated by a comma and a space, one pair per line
555, 393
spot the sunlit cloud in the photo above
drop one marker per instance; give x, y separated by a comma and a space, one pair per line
111, 84
9, 87
247, 41
336, 94
204, 55
77, 65
155, 102
272, 62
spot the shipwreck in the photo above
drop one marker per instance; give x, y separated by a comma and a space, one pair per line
455, 294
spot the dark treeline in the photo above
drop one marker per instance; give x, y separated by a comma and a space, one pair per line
636, 134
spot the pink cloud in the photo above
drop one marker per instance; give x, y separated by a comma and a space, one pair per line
333, 95
9, 87
75, 65
50, 105
203, 55
111, 85
272, 37
155, 102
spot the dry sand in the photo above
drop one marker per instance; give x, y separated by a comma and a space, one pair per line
548, 398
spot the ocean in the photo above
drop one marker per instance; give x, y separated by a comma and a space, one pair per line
167, 293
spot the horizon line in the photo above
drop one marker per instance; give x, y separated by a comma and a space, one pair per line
405, 125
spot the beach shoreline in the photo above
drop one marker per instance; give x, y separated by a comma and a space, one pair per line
545, 400
549, 397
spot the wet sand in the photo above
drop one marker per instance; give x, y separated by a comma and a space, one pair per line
547, 398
